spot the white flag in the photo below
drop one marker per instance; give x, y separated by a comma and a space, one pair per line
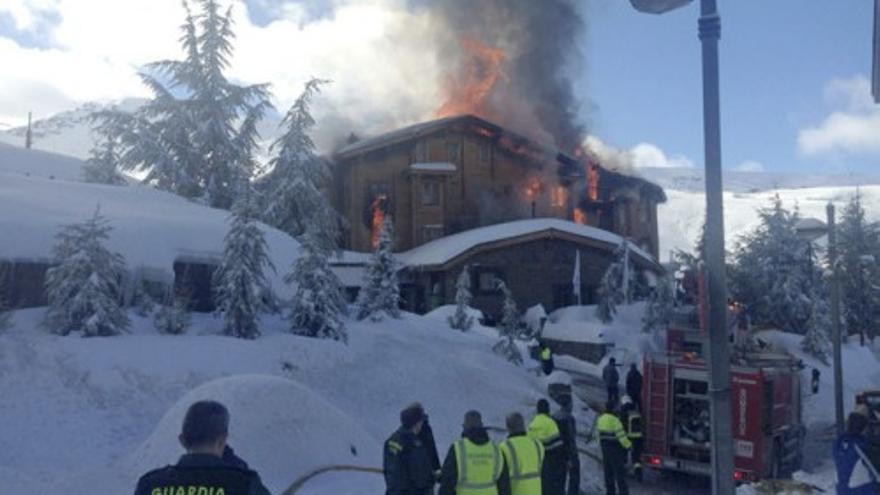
576, 278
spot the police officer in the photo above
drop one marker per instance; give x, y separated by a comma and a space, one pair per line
202, 468
474, 465
524, 457
408, 459
614, 443
632, 423
544, 429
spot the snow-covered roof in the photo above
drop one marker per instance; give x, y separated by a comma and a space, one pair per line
445, 249
434, 167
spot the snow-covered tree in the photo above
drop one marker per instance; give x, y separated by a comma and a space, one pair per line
319, 302
611, 288
102, 166
294, 199
84, 288
240, 280
380, 292
509, 329
173, 317
661, 306
197, 135
858, 253
816, 340
461, 319
773, 274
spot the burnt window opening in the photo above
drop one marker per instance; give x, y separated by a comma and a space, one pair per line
430, 192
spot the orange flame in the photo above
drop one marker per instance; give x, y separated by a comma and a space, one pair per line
469, 90
580, 216
378, 209
533, 188
559, 196
592, 181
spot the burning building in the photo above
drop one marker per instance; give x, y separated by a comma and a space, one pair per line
466, 178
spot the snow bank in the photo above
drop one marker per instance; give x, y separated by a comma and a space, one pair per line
277, 425
35, 163
442, 313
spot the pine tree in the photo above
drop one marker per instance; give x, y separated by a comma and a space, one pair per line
859, 251
462, 320
102, 167
84, 288
240, 279
509, 329
198, 134
611, 291
773, 274
816, 340
380, 293
173, 317
319, 302
661, 306
293, 187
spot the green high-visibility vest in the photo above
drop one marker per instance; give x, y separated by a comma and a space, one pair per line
524, 457
545, 430
545, 354
479, 468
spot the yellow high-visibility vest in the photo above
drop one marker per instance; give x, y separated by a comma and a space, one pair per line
524, 457
634, 425
545, 354
545, 430
479, 468
611, 429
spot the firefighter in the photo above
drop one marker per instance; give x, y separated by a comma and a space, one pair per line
631, 418
544, 429
634, 385
546, 356
408, 458
612, 381
614, 443
568, 431
474, 465
202, 469
523, 456
855, 473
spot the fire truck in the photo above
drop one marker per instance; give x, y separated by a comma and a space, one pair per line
768, 434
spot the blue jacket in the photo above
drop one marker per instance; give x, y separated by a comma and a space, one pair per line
854, 476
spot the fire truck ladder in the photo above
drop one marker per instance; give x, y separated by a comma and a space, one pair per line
660, 393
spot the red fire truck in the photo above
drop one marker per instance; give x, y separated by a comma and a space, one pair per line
768, 434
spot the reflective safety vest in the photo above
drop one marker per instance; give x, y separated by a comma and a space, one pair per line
545, 430
524, 457
634, 425
545, 354
611, 430
479, 468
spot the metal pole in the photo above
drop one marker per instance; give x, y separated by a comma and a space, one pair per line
719, 344
835, 319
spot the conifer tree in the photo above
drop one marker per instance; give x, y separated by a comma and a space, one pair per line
319, 302
380, 293
461, 319
509, 329
84, 288
611, 291
816, 340
172, 318
294, 199
102, 167
859, 251
196, 137
240, 280
661, 306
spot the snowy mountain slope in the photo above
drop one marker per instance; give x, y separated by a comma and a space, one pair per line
88, 413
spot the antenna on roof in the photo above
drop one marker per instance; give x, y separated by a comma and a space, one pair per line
28, 137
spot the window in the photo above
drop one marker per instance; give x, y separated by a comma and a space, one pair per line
430, 192
420, 154
486, 281
431, 232
452, 152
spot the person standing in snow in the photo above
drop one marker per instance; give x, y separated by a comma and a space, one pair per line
612, 381
546, 356
614, 443
568, 432
409, 460
524, 456
634, 385
855, 473
202, 468
544, 429
474, 465
631, 417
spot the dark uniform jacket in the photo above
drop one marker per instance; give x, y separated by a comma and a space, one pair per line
568, 432
408, 464
201, 473
634, 385
449, 474
427, 438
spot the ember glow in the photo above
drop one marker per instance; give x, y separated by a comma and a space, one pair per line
533, 189
469, 90
580, 216
378, 209
559, 197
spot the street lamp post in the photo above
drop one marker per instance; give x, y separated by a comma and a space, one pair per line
719, 345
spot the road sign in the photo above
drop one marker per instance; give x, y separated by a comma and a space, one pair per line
658, 6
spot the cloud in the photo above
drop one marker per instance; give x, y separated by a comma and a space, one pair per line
642, 155
852, 127
750, 166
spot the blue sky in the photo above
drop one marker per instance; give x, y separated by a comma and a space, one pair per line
794, 72
776, 59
